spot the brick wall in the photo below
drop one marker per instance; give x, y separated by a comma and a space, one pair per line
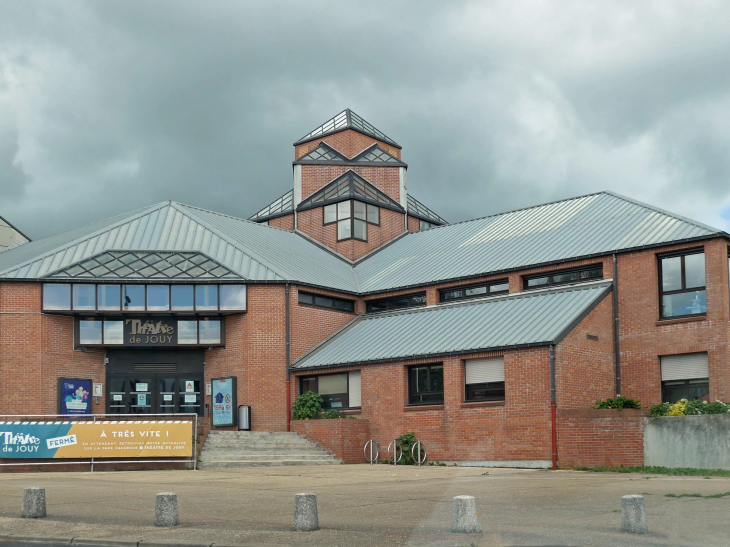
386, 179
595, 438
414, 225
345, 438
348, 142
285, 222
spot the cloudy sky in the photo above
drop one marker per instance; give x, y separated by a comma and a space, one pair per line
109, 106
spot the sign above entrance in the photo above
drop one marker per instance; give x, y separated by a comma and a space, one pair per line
150, 332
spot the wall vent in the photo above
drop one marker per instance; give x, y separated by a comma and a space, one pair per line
155, 367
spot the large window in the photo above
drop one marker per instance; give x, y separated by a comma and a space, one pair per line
426, 384
102, 297
685, 376
397, 302
474, 291
352, 218
563, 277
682, 284
337, 390
96, 331
484, 379
323, 301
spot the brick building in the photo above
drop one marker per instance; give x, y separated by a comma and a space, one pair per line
489, 339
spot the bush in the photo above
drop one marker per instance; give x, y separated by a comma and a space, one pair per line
683, 407
618, 402
406, 442
331, 413
307, 406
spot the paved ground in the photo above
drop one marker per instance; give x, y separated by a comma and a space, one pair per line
371, 505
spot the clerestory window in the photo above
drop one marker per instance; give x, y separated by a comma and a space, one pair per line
352, 218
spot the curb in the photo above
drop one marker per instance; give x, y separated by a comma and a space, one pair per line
111, 542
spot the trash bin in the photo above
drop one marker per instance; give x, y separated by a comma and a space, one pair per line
244, 418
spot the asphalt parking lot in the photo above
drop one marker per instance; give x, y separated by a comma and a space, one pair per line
370, 505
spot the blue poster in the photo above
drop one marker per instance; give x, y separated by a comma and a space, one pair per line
224, 400
74, 396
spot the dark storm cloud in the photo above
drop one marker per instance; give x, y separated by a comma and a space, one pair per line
110, 106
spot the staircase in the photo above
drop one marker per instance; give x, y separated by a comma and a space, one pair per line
261, 448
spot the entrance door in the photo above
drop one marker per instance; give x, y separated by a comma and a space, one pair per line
155, 381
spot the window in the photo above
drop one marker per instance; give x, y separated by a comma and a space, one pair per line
133, 297
95, 331
108, 297
397, 302
89, 331
210, 331
158, 297
484, 379
474, 291
206, 297
423, 225
682, 284
56, 296
562, 277
187, 332
84, 297
352, 218
326, 302
426, 384
233, 297
182, 297
113, 332
337, 390
685, 377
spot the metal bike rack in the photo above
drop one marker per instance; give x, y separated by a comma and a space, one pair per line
374, 451
396, 448
418, 452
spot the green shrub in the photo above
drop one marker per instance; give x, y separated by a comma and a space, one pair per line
659, 410
331, 413
618, 402
683, 407
406, 442
307, 406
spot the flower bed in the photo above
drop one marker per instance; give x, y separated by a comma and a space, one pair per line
684, 407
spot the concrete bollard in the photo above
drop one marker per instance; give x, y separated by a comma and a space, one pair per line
633, 514
464, 516
166, 509
34, 503
305, 513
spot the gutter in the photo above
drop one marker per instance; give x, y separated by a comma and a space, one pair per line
617, 348
288, 362
553, 408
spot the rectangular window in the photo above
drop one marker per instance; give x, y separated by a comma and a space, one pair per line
682, 284
89, 331
183, 298
426, 384
563, 277
158, 297
373, 214
397, 302
474, 291
187, 332
206, 297
113, 332
322, 301
84, 297
337, 390
685, 376
233, 297
56, 296
423, 225
330, 213
210, 331
352, 218
484, 379
133, 298
109, 297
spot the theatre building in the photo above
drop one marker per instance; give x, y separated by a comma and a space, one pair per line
490, 339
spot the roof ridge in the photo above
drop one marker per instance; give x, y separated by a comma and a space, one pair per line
337, 124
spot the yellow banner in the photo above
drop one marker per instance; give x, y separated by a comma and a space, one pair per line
130, 439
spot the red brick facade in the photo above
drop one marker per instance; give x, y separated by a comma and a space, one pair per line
348, 142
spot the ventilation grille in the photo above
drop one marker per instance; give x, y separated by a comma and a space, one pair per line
156, 367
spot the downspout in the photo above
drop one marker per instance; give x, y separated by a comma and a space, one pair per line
553, 407
288, 369
617, 349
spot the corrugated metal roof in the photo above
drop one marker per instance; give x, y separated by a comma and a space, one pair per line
574, 228
519, 320
254, 251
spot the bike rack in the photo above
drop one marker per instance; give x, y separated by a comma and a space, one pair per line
372, 457
396, 448
417, 456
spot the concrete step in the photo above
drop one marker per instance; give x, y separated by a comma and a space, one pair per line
257, 446
245, 463
260, 451
264, 457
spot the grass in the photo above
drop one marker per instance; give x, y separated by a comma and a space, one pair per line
686, 471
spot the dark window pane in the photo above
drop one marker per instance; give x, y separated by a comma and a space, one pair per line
451, 295
233, 297
686, 303
474, 291
344, 305
309, 384
305, 298
437, 379
417, 300
590, 274
673, 391
672, 273
133, 297
89, 331
56, 296
158, 297
182, 297
84, 297
488, 391
109, 297
206, 297
323, 301
566, 277
538, 281
502, 287
694, 270
421, 379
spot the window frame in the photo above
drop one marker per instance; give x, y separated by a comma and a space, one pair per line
411, 391
351, 218
369, 303
660, 279
488, 399
698, 382
552, 273
486, 284
320, 306
316, 381
116, 317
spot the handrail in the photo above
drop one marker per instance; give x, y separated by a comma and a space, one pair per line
372, 458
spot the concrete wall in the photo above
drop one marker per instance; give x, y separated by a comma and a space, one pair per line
702, 442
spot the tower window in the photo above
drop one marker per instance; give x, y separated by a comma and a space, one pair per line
352, 218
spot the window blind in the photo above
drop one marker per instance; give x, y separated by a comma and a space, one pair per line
684, 367
354, 388
489, 369
332, 384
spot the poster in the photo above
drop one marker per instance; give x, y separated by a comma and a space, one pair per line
224, 401
87, 439
74, 396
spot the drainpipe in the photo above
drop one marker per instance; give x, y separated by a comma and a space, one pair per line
553, 408
288, 370
617, 350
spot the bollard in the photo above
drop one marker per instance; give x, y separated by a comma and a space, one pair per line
34, 503
305, 513
166, 509
464, 516
633, 514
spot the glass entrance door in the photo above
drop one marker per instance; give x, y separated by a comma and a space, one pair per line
155, 394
